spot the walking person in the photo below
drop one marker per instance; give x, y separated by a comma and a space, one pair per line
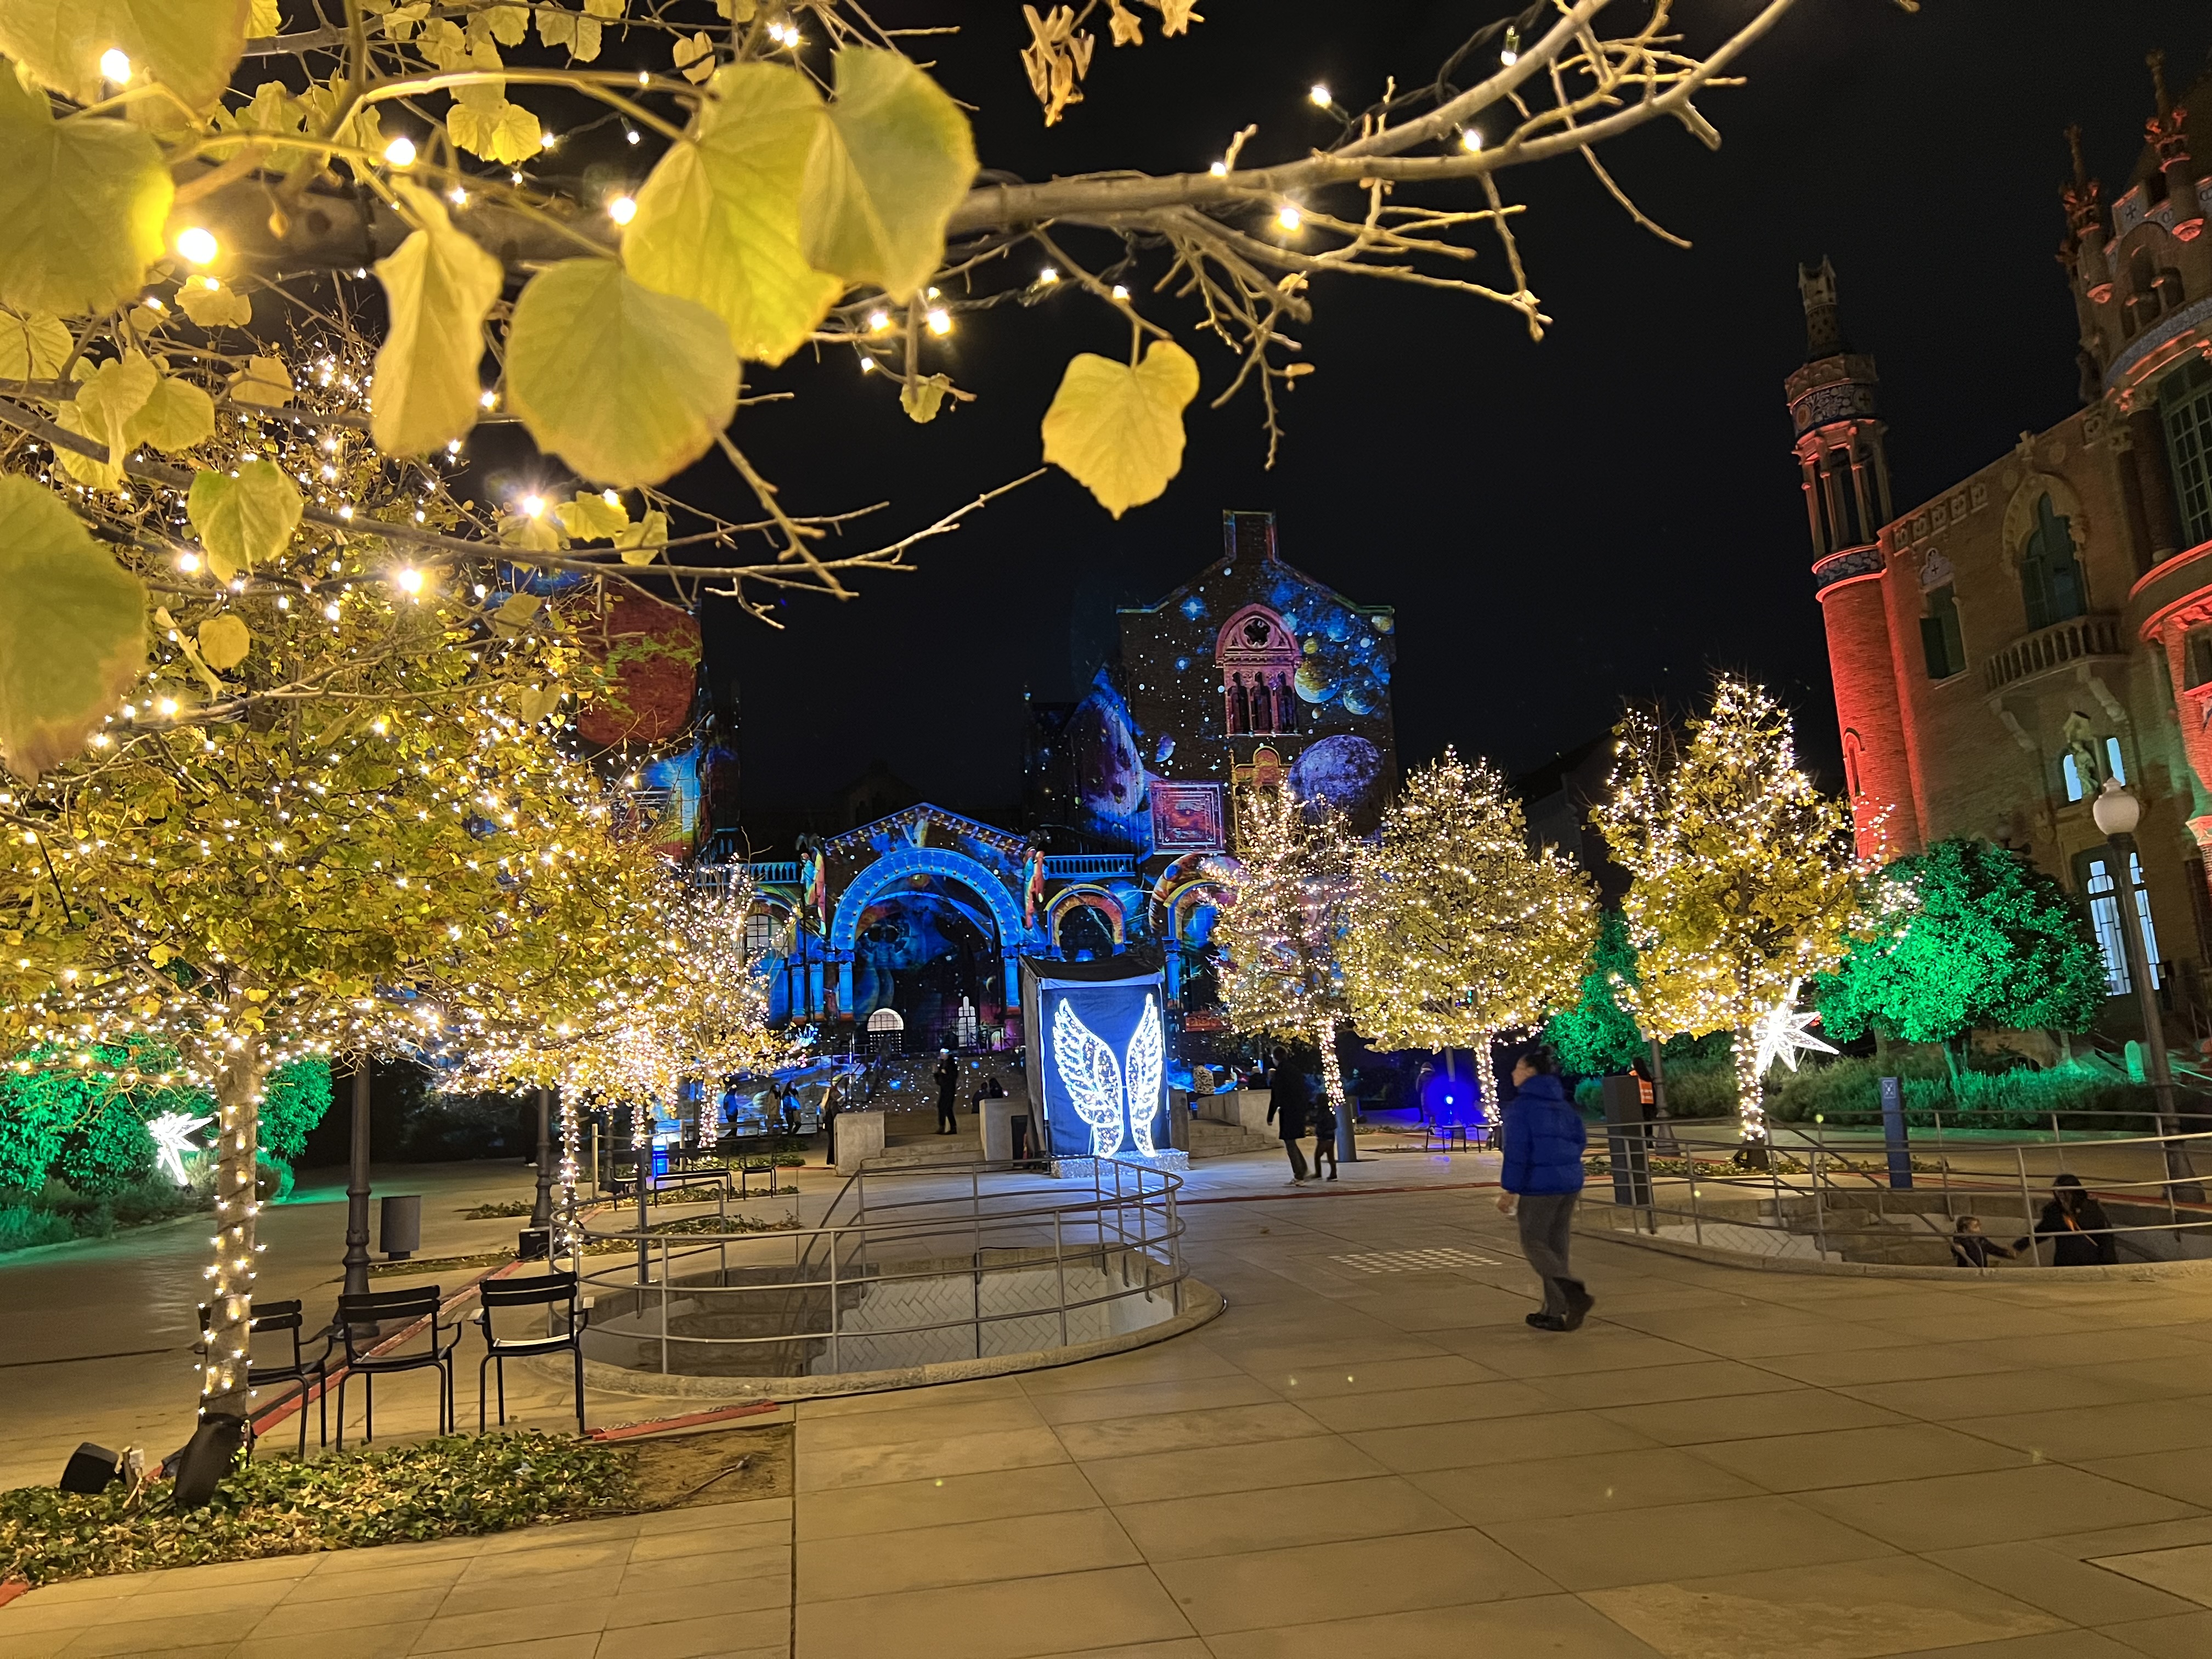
1287, 1104
948, 1093
1543, 1139
1324, 1123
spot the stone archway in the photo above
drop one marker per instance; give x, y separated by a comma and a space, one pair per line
871, 883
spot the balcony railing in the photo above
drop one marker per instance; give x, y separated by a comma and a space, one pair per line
1075, 867
2075, 640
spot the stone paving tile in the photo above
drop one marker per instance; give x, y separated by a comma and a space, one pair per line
2177, 1636
1793, 1410
1510, 1440
1854, 1457
1148, 1399
1848, 1610
1131, 1436
1579, 1486
1013, 1618
1602, 1551
1704, 1380
966, 1553
2081, 1432
2185, 1570
1352, 1579
900, 1506
864, 1466
2050, 1579
1205, 1470
1951, 1511
1556, 1626
1181, 1529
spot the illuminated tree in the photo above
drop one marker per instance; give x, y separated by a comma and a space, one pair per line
1742, 880
1461, 931
1594, 1036
226, 172
1294, 893
1986, 940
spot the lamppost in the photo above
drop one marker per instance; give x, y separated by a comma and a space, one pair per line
358, 1190
541, 1211
2118, 812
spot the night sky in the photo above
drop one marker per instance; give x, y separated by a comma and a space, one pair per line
1612, 512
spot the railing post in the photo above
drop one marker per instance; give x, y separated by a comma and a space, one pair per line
664, 1307
836, 1364
2026, 1206
1059, 1270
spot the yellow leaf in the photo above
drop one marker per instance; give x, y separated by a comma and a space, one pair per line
694, 57
516, 612
643, 542
887, 169
83, 202
176, 416
438, 287
592, 518
578, 31
1118, 430
924, 398
717, 219
264, 20
263, 380
32, 347
224, 641
219, 306
190, 46
72, 633
502, 131
625, 385
244, 519
106, 404
535, 702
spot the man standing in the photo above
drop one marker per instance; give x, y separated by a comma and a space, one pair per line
1543, 1139
948, 1090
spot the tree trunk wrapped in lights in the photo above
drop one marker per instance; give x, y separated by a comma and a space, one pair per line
1461, 932
1295, 892
227, 1333
1743, 882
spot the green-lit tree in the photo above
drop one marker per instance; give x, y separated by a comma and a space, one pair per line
1988, 941
1596, 1035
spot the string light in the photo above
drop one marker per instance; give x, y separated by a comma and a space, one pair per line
622, 210
1318, 94
1509, 54
115, 67
1289, 217
197, 245
1470, 139
940, 321
400, 152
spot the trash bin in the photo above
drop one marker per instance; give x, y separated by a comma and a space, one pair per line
400, 1226
535, 1245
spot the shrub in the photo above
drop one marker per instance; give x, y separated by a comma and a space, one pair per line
2081, 1096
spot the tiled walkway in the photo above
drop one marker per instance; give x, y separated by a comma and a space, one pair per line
1722, 1465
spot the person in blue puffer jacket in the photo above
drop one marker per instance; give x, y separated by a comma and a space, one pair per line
1543, 1139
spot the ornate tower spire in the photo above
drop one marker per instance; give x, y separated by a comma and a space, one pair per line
2167, 133
1839, 445
2085, 224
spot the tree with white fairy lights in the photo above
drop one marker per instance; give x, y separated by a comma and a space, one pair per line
1294, 890
1743, 880
1463, 930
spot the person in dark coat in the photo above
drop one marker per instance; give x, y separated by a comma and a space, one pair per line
1972, 1248
1543, 1139
2075, 1224
948, 1093
1288, 1108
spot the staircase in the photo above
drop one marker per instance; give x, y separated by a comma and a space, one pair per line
1211, 1140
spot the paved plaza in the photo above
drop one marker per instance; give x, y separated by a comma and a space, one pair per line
1370, 1453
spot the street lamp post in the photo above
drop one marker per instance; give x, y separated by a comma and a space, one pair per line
2118, 812
541, 1212
357, 1236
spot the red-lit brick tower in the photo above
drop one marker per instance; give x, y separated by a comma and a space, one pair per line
1839, 446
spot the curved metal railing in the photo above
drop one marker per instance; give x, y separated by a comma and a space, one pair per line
1863, 1198
908, 1266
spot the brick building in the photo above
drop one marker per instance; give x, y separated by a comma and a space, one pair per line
2000, 650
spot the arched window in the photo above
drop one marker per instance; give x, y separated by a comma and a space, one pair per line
2050, 578
760, 934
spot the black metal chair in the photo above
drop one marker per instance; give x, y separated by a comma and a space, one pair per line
303, 1368
540, 1290
359, 1322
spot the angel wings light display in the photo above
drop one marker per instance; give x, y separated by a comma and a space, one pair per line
1115, 1096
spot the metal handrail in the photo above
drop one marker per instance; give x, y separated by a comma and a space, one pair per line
1146, 1247
1828, 1171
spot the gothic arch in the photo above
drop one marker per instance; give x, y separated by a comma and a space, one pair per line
2020, 509
1095, 898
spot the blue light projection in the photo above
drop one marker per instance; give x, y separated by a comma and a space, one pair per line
1109, 1095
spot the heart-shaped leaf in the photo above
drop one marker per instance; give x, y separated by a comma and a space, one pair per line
106, 410
72, 633
886, 171
175, 415
84, 203
211, 304
717, 219
32, 347
190, 46
438, 286
244, 519
1118, 429
625, 385
224, 641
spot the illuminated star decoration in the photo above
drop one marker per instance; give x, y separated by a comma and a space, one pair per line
1783, 1034
173, 1132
